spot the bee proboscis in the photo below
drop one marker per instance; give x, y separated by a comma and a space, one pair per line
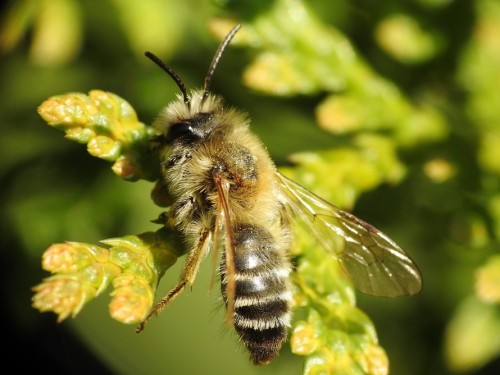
226, 194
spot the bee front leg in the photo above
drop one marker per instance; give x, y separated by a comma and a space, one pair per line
189, 272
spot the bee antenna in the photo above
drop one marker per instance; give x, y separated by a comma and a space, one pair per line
215, 61
172, 74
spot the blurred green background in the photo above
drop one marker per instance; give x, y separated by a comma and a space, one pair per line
406, 96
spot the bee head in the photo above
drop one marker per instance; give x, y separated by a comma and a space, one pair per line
197, 124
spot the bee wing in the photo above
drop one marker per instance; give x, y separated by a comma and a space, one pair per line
223, 219
373, 262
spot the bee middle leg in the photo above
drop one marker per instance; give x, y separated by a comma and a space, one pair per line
189, 272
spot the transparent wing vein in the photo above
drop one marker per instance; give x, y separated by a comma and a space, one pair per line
375, 264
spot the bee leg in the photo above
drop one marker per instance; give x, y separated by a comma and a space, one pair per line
188, 275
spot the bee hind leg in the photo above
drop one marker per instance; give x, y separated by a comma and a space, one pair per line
189, 272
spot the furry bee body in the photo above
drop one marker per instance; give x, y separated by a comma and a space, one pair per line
208, 140
225, 195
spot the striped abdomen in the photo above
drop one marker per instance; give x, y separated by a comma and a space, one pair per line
262, 296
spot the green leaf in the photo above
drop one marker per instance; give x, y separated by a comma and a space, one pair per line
81, 272
405, 38
371, 161
469, 342
488, 281
110, 128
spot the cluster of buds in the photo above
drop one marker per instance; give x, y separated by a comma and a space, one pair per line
109, 126
80, 272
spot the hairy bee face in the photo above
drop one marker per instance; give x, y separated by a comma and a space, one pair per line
227, 195
203, 119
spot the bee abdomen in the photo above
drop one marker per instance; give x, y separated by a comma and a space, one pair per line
262, 297
263, 345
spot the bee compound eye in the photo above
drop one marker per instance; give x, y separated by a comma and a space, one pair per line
192, 129
182, 129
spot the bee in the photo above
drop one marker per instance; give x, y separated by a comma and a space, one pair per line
226, 195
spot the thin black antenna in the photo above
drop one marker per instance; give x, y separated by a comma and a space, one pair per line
172, 74
215, 61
